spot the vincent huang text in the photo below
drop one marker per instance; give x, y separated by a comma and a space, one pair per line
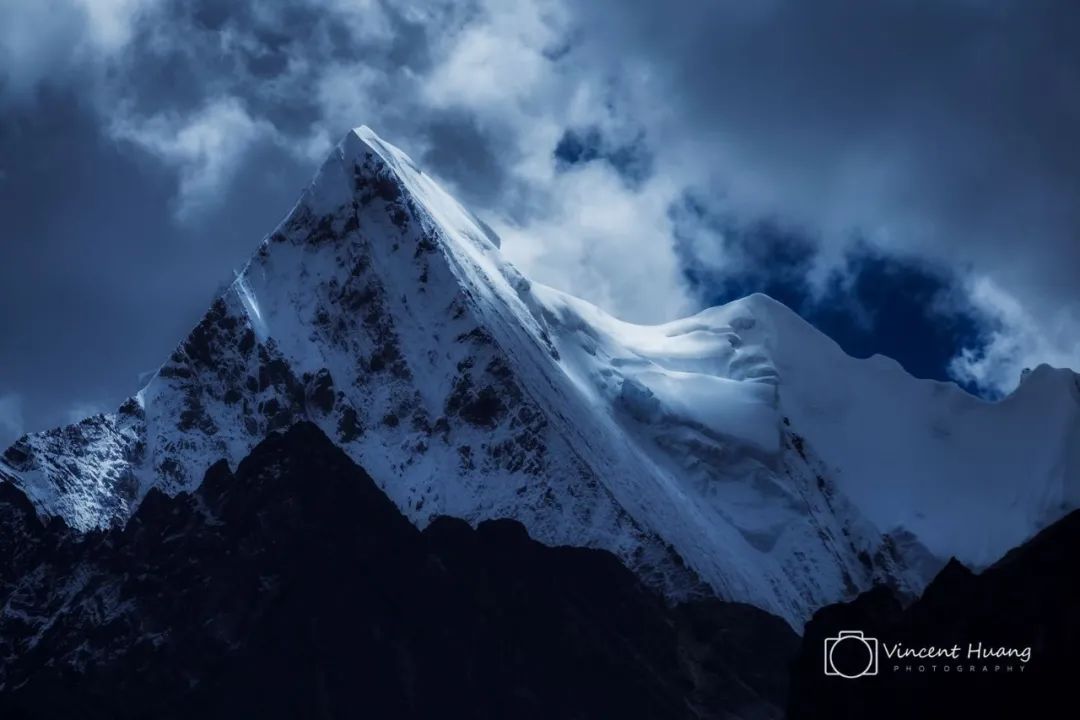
977, 657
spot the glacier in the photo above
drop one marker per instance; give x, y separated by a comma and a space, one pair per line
738, 452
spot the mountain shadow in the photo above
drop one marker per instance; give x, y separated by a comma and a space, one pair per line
982, 626
293, 588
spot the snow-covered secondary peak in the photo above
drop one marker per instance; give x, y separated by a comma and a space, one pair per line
968, 477
737, 450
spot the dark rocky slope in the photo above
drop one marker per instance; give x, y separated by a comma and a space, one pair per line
294, 588
1029, 599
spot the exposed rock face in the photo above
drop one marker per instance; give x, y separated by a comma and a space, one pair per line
294, 588
1029, 600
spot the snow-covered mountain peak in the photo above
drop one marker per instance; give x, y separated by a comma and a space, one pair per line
738, 449
362, 166
1051, 380
969, 477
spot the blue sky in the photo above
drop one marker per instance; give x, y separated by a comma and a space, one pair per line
904, 174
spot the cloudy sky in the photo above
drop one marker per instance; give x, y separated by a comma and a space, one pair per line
904, 173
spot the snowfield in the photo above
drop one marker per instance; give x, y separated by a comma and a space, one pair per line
738, 451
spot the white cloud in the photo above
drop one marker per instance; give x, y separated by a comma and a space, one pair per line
346, 95
498, 61
604, 242
48, 39
206, 148
110, 21
583, 230
1016, 341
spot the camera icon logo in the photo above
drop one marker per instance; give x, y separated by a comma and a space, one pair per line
851, 655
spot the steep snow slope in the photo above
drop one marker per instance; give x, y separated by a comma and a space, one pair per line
710, 449
969, 478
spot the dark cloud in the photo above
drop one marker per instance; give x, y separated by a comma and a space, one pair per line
953, 123
474, 159
757, 256
631, 160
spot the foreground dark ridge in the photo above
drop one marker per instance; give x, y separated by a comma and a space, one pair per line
295, 588
1028, 599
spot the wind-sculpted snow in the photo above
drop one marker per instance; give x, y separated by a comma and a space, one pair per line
733, 451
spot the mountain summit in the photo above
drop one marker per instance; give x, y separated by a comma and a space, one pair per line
738, 451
